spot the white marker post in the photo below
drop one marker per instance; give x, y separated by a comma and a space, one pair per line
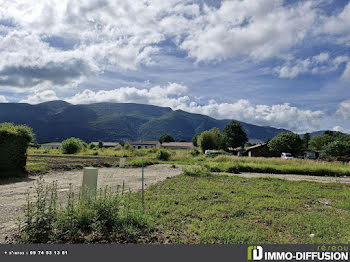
122, 161
89, 182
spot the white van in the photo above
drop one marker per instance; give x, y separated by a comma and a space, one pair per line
287, 156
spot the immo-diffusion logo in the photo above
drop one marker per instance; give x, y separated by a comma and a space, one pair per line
338, 254
255, 252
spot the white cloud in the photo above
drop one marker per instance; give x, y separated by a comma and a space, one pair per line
338, 25
40, 97
317, 64
346, 74
344, 109
259, 29
61, 43
174, 95
3, 99
338, 129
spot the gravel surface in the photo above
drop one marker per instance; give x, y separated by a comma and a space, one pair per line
13, 193
320, 179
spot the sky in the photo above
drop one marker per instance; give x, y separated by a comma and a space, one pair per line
284, 64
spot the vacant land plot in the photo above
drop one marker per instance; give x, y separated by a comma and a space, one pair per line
233, 209
13, 192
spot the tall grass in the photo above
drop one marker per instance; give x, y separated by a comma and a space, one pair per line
279, 166
106, 216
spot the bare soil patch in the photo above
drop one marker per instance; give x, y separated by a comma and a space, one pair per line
13, 193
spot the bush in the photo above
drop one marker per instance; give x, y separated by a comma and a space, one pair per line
194, 152
197, 172
106, 216
127, 146
163, 155
92, 146
71, 146
14, 141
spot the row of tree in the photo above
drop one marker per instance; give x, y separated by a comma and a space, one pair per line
329, 144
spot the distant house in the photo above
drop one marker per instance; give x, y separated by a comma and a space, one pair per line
259, 150
108, 144
53, 145
307, 154
178, 145
142, 144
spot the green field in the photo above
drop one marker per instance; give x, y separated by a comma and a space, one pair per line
228, 210
224, 163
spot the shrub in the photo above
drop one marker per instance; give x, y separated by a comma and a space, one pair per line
92, 146
14, 141
163, 155
194, 139
127, 146
106, 216
71, 145
194, 152
100, 144
197, 172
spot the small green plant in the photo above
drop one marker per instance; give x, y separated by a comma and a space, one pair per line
194, 152
196, 172
163, 155
105, 216
127, 146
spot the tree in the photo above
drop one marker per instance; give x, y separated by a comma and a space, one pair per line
100, 144
71, 145
337, 149
195, 138
234, 135
210, 139
166, 138
317, 143
306, 140
286, 142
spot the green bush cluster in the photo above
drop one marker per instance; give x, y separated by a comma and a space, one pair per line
72, 146
103, 217
197, 172
163, 155
14, 141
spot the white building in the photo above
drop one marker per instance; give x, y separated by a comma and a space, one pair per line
142, 144
53, 145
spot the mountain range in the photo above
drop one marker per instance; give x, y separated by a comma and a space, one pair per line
57, 120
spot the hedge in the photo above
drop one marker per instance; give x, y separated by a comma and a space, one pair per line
14, 141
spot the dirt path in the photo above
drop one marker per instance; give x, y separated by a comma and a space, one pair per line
320, 179
13, 193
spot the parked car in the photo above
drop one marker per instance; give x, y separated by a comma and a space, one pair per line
287, 156
208, 152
